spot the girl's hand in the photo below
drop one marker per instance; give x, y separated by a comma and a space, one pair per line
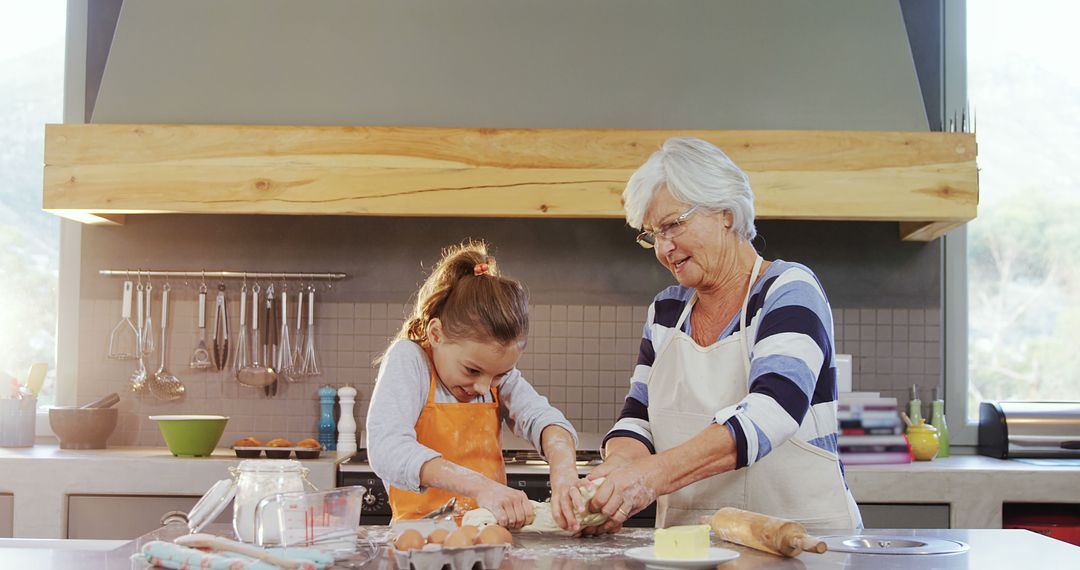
511, 507
566, 498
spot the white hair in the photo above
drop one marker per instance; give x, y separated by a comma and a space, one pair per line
695, 172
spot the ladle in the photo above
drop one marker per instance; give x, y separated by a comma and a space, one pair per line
256, 374
164, 385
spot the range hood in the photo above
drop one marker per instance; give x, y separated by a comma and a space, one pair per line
926, 181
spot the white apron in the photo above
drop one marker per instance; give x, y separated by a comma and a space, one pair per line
687, 386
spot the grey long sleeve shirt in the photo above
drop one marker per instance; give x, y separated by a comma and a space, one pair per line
401, 391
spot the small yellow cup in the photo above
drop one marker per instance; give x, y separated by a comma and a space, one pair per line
924, 441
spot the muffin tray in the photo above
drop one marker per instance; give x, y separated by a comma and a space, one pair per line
435, 557
277, 452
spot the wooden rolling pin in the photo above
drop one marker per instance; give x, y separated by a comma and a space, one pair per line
765, 533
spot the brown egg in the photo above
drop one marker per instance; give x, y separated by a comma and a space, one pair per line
410, 539
438, 536
472, 531
458, 539
494, 534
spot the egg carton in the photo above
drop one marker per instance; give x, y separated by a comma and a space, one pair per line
435, 557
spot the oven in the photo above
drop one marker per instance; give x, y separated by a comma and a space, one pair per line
523, 471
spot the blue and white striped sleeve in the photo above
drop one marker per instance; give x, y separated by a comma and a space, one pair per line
633, 421
791, 368
662, 316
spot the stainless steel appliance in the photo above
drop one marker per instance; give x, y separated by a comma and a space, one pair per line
1010, 430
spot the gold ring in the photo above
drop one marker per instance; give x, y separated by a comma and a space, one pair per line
623, 513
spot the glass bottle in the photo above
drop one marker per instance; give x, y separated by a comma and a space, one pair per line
937, 419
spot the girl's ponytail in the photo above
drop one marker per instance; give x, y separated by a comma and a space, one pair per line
466, 293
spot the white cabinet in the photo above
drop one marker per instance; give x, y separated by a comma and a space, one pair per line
123, 516
7, 516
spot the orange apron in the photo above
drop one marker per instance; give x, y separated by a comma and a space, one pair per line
464, 433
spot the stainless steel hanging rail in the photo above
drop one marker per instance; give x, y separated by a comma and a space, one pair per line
221, 274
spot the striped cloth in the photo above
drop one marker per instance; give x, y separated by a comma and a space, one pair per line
792, 380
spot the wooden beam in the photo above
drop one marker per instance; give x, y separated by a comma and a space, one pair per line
926, 231
398, 171
91, 218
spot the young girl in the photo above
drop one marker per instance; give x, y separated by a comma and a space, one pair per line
446, 385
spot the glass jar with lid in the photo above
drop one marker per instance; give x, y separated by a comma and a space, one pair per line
257, 479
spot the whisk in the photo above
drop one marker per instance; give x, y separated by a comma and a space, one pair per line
298, 348
310, 367
243, 354
284, 357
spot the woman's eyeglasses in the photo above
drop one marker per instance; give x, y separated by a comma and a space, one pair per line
667, 231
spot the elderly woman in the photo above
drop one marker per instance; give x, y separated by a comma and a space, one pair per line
733, 399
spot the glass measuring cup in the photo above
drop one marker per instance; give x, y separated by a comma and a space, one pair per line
327, 520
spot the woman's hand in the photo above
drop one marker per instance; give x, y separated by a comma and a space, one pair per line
566, 498
511, 507
628, 487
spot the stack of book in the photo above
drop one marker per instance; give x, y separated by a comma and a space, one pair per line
870, 430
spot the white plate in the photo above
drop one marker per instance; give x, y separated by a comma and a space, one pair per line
716, 556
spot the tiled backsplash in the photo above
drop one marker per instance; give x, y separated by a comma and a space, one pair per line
579, 356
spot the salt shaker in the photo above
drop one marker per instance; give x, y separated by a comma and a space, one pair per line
326, 419
346, 443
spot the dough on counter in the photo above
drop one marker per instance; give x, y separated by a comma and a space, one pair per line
543, 521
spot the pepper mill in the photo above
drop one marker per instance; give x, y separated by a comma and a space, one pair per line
327, 429
346, 443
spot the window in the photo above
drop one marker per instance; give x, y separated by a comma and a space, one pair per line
1023, 250
31, 94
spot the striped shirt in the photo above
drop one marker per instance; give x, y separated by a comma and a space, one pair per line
792, 379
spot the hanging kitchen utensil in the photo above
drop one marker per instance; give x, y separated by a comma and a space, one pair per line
283, 364
256, 374
164, 385
138, 377
270, 344
124, 338
139, 332
220, 340
243, 354
298, 347
148, 325
200, 357
310, 367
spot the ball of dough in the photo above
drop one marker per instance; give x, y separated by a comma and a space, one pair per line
410, 539
494, 534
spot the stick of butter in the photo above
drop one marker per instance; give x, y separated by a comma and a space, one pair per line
690, 542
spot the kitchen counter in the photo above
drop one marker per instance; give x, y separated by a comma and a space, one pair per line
974, 486
989, 550
42, 477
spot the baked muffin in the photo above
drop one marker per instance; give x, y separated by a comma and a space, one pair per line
279, 442
247, 442
311, 449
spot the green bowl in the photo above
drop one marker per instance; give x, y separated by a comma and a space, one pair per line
191, 436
